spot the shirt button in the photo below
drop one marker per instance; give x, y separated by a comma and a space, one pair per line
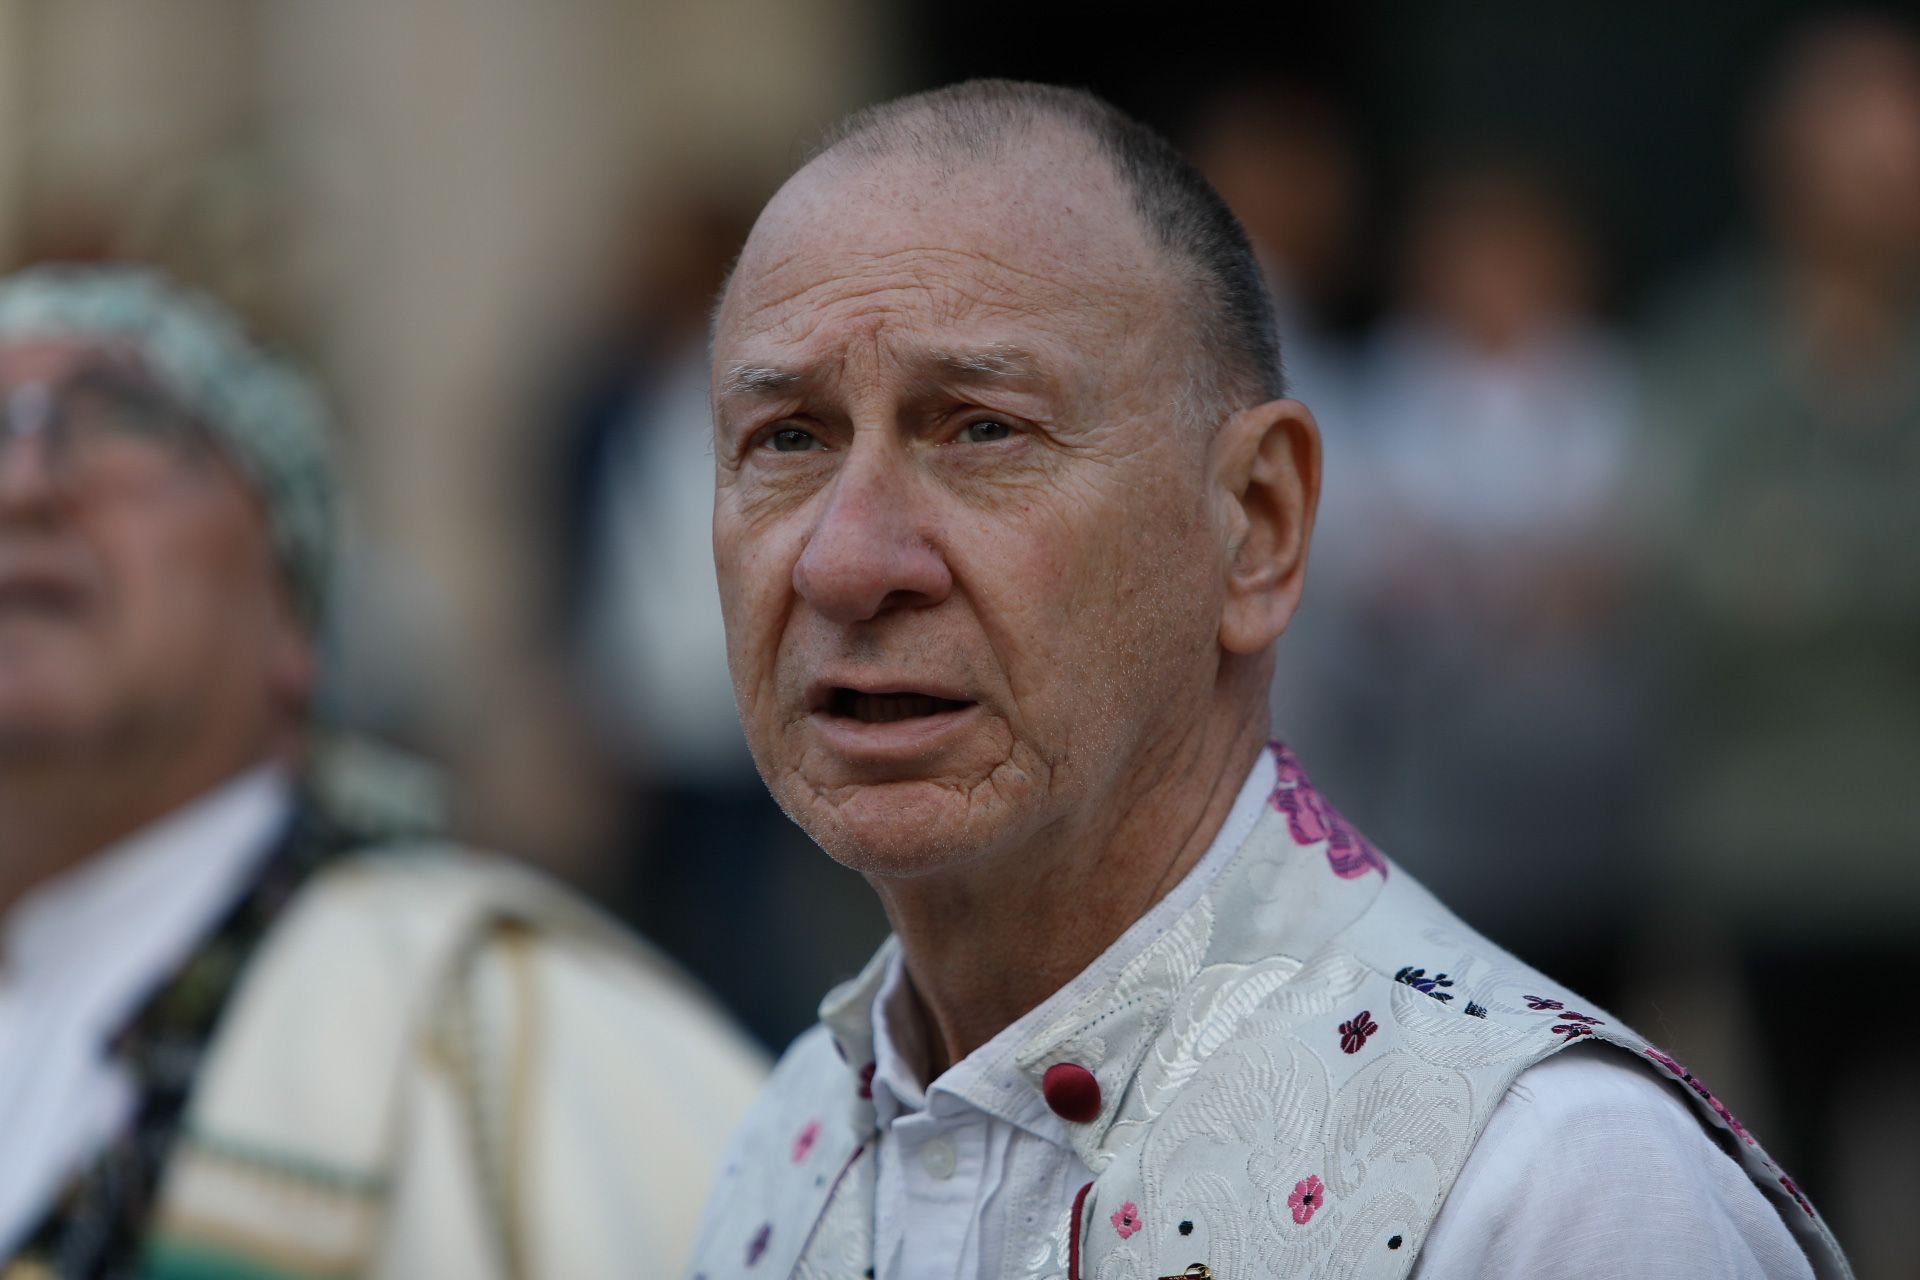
936, 1156
1071, 1090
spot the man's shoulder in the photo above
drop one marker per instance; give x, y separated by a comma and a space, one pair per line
800, 1138
810, 1083
1596, 1147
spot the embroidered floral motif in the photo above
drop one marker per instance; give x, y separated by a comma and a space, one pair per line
803, 1144
1354, 1033
1569, 1024
1706, 1095
1419, 981
1126, 1219
1311, 819
757, 1247
1794, 1191
1308, 1195
1668, 1063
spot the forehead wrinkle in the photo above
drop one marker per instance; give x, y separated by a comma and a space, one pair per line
973, 274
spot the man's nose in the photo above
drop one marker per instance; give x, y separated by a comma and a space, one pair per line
869, 553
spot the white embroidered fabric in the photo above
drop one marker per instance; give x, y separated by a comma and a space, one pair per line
1589, 1167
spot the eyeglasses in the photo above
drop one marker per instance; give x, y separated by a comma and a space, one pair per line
101, 423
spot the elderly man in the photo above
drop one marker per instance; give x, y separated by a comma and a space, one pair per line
250, 1025
1010, 514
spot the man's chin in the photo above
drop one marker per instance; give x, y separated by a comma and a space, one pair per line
902, 830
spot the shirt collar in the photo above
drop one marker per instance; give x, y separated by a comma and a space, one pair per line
152, 893
869, 1016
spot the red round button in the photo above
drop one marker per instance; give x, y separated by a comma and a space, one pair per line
1071, 1091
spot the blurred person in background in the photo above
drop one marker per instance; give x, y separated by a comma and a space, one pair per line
255, 1019
1786, 398
1486, 589
1009, 513
1284, 157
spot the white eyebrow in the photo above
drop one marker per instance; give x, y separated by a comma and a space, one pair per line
757, 379
993, 362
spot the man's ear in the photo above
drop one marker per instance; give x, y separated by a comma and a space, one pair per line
1267, 467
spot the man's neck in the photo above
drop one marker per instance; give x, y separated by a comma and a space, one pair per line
58, 811
985, 946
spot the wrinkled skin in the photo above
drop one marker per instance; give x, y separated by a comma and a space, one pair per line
1041, 543
999, 609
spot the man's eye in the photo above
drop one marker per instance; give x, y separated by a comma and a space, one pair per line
985, 431
793, 440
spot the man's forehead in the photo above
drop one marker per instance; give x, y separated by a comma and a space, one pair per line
1039, 230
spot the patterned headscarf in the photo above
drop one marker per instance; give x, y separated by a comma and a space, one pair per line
266, 415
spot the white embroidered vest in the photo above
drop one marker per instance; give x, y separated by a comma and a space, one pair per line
1296, 1071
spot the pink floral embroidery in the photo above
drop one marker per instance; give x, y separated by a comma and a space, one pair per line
1706, 1095
1126, 1219
1308, 1195
1667, 1062
866, 1080
1311, 819
1571, 1031
1541, 1002
757, 1247
803, 1144
1353, 1034
1798, 1198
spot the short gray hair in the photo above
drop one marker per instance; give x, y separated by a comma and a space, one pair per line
1235, 335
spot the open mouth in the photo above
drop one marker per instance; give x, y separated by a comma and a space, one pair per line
884, 708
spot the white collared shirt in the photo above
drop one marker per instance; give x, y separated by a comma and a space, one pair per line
976, 1174
80, 952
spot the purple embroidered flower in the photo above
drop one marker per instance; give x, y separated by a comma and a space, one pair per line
1354, 1033
1570, 1016
1541, 1002
1311, 819
1572, 1031
1308, 1195
1419, 981
1126, 1219
803, 1144
757, 1247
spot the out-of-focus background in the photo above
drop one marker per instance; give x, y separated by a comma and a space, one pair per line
1611, 317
